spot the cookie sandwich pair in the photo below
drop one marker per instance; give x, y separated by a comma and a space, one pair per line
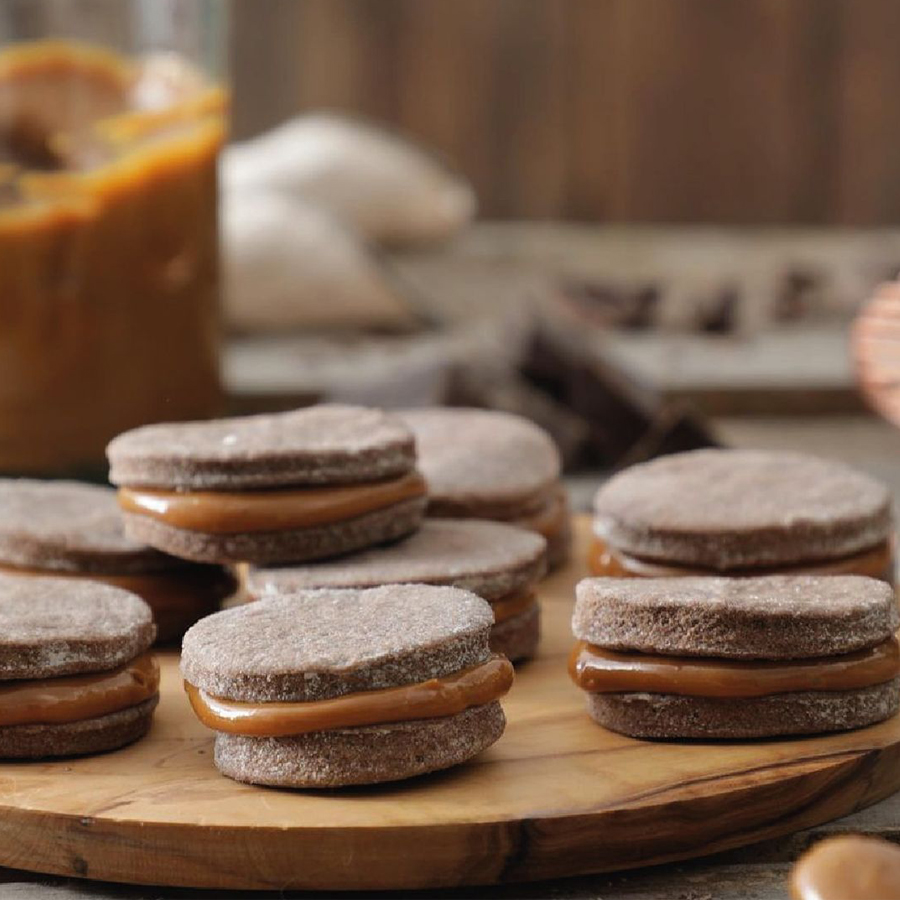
500, 563
75, 674
308, 484
742, 512
493, 465
74, 531
340, 687
734, 658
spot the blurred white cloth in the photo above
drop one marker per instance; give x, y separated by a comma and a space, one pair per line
385, 188
289, 265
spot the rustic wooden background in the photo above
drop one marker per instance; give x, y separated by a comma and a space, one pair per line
755, 111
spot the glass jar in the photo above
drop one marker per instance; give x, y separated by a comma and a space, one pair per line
112, 114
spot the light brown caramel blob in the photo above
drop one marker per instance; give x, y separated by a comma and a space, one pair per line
432, 699
877, 562
850, 867
73, 698
239, 512
606, 671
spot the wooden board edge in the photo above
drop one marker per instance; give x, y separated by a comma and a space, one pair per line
538, 848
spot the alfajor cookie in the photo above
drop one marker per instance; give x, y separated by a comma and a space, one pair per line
500, 563
341, 687
288, 487
742, 512
75, 675
483, 464
707, 657
75, 530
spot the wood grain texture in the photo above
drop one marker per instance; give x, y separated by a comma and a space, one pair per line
624, 110
556, 796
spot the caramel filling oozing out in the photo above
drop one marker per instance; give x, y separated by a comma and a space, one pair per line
848, 868
602, 671
877, 562
507, 607
161, 591
74, 698
431, 699
238, 512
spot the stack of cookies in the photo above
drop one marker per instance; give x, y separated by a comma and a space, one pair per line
357, 600
741, 594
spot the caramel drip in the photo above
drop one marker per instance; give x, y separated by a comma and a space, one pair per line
74, 698
507, 607
224, 512
163, 592
877, 562
431, 699
602, 671
852, 867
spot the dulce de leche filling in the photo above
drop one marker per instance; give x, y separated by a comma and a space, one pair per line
600, 671
238, 512
877, 562
436, 698
74, 698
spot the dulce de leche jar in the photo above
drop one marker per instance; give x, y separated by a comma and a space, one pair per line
108, 231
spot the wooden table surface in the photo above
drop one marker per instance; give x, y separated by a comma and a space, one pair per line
755, 873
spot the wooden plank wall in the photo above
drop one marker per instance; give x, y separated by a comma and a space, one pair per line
747, 111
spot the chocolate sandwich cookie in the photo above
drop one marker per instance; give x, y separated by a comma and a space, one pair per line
482, 464
289, 487
848, 867
339, 687
742, 512
75, 675
708, 657
500, 563
75, 530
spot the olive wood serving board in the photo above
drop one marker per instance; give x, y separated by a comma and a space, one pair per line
556, 796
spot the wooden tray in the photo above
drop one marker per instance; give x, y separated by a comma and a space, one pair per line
556, 796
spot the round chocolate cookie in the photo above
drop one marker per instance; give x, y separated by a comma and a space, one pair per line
72, 529
732, 509
288, 487
345, 670
56, 638
485, 464
498, 562
734, 658
667, 716
317, 445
